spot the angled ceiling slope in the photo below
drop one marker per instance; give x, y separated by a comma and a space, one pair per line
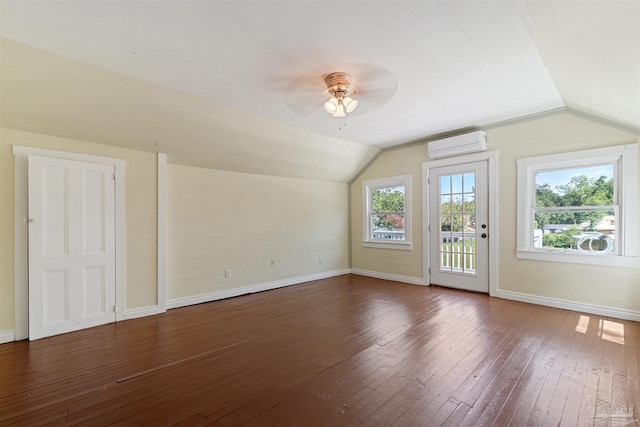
46, 93
231, 85
592, 52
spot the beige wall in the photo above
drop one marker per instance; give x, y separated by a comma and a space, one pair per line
218, 220
140, 216
390, 261
215, 220
564, 132
614, 287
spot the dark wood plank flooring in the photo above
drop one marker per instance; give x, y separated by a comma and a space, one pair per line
346, 351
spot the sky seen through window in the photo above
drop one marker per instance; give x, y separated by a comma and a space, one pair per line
562, 176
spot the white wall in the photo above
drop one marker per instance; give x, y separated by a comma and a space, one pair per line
601, 287
219, 220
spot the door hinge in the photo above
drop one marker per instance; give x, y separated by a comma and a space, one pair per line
114, 176
115, 308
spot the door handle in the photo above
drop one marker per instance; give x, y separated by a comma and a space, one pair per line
483, 235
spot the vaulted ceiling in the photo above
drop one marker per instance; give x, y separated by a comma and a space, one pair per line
237, 85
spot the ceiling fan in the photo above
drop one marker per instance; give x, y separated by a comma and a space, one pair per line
336, 91
340, 92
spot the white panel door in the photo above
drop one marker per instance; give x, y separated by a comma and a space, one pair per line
458, 224
71, 246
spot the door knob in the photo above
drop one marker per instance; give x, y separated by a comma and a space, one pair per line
483, 235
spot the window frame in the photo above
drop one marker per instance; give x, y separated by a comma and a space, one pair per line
625, 158
368, 187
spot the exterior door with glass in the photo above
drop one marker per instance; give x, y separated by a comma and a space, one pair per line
459, 226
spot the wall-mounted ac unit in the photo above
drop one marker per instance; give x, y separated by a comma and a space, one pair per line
456, 145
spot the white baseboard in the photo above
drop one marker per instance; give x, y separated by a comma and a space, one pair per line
213, 296
141, 312
571, 305
393, 277
7, 336
516, 296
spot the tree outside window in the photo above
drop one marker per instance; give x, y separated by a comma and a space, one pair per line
388, 209
387, 213
572, 202
580, 207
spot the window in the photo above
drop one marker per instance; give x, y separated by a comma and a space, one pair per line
387, 212
580, 207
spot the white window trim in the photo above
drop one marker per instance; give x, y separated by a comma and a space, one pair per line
367, 187
627, 180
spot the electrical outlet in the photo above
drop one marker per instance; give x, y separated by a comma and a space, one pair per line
320, 260
227, 273
273, 263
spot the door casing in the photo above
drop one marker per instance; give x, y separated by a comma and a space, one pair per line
491, 157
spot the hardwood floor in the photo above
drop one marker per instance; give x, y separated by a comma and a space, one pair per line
346, 351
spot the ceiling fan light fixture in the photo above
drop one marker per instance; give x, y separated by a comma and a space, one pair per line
349, 104
331, 106
340, 89
339, 111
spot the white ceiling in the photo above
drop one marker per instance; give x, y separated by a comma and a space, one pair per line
423, 67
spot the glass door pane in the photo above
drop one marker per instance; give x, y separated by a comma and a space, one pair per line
458, 223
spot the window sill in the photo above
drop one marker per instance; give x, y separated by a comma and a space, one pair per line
605, 260
403, 246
